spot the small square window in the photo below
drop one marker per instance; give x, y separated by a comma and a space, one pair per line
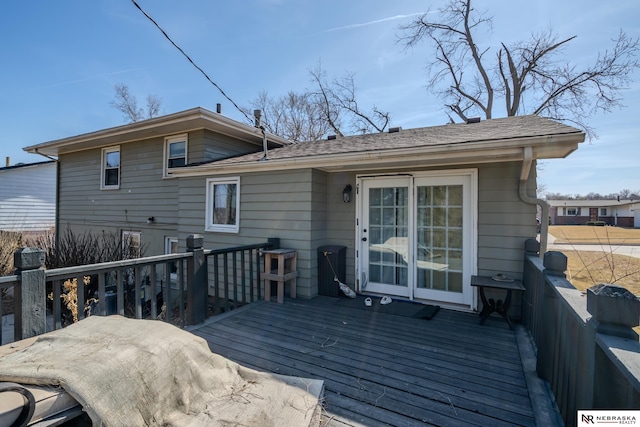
223, 205
175, 153
110, 168
603, 211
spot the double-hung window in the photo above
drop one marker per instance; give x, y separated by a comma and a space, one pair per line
223, 205
175, 153
110, 179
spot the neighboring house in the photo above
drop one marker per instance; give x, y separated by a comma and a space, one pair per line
28, 197
578, 212
419, 210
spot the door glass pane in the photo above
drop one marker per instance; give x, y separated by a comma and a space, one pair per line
388, 235
439, 238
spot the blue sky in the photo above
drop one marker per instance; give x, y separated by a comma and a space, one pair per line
61, 60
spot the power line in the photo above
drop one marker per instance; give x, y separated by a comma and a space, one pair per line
190, 60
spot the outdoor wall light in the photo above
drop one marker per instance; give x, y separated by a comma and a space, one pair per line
346, 193
151, 220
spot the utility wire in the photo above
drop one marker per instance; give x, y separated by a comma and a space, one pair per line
190, 60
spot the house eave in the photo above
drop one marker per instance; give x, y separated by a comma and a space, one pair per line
172, 124
548, 147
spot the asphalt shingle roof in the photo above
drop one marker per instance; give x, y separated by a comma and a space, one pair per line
489, 130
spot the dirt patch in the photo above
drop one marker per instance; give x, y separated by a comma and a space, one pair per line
586, 269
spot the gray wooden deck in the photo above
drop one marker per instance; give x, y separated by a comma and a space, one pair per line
384, 369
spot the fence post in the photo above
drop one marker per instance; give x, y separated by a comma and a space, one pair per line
616, 311
555, 264
30, 310
197, 291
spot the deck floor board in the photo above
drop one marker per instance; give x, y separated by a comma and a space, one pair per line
383, 369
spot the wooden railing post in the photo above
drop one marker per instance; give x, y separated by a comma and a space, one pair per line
30, 311
197, 290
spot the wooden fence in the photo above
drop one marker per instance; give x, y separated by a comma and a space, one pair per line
586, 347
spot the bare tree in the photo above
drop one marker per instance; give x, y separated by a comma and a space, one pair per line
127, 104
338, 98
330, 107
527, 75
294, 116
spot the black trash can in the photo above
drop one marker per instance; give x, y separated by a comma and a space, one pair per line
331, 263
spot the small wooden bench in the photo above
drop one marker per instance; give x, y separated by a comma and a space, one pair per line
491, 306
281, 274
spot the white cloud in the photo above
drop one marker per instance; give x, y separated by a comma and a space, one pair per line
377, 21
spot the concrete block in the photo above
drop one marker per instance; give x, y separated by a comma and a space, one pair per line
28, 258
611, 304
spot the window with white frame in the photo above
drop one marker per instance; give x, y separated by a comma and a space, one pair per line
171, 247
131, 244
175, 153
223, 205
572, 211
603, 211
110, 179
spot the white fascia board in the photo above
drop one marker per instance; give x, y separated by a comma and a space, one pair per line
184, 121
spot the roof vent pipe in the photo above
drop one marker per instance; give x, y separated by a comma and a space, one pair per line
473, 120
219, 108
394, 130
330, 137
257, 114
8, 161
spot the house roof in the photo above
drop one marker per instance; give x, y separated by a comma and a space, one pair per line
599, 203
181, 122
25, 165
496, 140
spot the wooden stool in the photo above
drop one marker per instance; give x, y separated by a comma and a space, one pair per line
281, 274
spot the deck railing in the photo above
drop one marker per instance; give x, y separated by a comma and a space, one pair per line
184, 289
586, 347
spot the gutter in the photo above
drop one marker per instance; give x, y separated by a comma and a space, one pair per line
522, 190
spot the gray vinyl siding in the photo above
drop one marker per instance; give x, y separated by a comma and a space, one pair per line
205, 146
143, 191
276, 204
304, 208
504, 221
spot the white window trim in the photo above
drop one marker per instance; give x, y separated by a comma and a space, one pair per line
167, 244
222, 228
126, 234
169, 140
103, 167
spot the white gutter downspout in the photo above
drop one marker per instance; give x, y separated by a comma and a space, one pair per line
522, 190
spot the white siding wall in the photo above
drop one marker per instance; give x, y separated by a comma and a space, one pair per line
28, 197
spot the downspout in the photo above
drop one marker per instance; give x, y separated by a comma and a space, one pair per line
56, 220
527, 161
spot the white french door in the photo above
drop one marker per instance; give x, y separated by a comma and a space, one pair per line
417, 236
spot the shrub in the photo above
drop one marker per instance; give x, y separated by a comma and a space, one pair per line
9, 243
